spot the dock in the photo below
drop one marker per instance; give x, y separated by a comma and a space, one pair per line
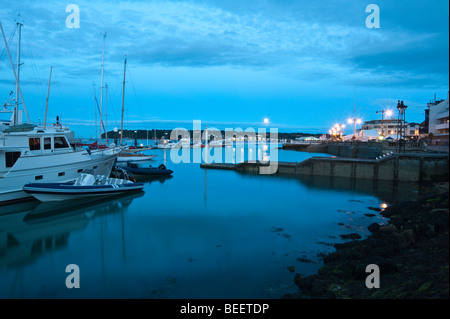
407, 167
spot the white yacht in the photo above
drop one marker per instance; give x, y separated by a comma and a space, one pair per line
166, 144
30, 153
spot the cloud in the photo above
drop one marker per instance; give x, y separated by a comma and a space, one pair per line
308, 39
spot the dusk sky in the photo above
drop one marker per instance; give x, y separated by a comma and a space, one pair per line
304, 65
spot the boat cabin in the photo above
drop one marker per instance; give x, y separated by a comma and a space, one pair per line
17, 142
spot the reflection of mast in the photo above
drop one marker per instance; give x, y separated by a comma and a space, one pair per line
206, 159
102, 254
123, 237
206, 186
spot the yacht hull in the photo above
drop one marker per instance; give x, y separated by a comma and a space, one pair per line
65, 168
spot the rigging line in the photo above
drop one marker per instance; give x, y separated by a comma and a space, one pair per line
34, 66
112, 103
98, 108
134, 90
9, 41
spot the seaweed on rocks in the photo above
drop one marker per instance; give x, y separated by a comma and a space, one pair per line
411, 251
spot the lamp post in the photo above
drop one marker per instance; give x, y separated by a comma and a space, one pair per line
401, 121
354, 121
388, 114
337, 131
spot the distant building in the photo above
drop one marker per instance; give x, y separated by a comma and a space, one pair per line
390, 127
438, 120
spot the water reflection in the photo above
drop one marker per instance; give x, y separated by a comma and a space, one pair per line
197, 234
32, 229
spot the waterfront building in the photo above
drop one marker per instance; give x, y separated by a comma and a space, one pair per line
391, 127
438, 119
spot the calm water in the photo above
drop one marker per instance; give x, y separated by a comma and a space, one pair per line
200, 234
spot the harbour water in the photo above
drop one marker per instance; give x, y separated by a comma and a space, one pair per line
199, 234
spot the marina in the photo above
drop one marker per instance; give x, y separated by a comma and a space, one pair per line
226, 151
175, 239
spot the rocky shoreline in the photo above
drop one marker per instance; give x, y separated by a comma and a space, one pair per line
411, 251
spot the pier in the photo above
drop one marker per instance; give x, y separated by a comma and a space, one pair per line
355, 149
406, 167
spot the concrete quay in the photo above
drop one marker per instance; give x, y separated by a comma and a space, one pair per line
407, 167
356, 149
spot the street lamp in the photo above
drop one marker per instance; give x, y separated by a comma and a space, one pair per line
354, 121
337, 130
388, 114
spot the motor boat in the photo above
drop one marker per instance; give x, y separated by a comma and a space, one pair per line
136, 169
126, 156
86, 185
166, 144
41, 153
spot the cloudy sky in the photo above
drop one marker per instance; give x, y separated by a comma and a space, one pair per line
304, 65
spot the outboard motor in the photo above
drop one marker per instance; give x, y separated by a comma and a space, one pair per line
162, 166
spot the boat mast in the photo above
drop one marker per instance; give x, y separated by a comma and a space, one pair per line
18, 90
123, 98
95, 108
106, 112
48, 92
101, 87
16, 108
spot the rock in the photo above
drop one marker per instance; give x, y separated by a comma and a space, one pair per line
351, 236
406, 238
374, 228
388, 229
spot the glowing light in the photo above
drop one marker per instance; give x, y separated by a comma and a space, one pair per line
266, 120
388, 113
350, 121
358, 121
384, 205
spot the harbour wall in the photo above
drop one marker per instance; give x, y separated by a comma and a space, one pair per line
396, 167
355, 149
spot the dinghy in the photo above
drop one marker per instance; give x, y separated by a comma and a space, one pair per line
86, 185
136, 169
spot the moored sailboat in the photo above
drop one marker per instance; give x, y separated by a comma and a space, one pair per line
30, 153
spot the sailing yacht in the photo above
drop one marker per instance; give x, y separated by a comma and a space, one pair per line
31, 153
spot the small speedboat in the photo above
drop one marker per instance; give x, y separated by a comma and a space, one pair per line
86, 185
136, 169
132, 156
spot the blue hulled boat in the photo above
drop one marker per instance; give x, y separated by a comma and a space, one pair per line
136, 169
86, 185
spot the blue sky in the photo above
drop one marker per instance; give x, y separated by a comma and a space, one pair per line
304, 65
